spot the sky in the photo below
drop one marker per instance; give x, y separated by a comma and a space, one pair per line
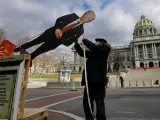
115, 19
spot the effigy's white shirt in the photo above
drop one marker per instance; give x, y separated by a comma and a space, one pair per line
78, 20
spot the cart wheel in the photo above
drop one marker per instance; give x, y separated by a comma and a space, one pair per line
45, 118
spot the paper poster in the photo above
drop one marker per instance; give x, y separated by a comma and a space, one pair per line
11, 73
7, 83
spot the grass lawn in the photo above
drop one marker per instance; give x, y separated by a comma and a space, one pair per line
49, 76
55, 76
113, 73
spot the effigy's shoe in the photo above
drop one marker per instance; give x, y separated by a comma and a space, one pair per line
17, 49
23, 51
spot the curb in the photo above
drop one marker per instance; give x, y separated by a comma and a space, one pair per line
67, 114
68, 87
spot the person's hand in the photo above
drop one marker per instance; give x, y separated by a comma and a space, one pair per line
58, 33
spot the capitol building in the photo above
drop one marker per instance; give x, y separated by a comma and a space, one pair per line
142, 52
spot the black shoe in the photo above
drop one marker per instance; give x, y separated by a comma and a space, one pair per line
17, 49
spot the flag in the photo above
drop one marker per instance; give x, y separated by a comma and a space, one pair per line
6, 48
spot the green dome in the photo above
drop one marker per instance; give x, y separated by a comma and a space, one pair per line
144, 22
144, 27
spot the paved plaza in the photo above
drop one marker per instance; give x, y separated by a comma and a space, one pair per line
121, 104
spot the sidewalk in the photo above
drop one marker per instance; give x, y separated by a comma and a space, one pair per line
36, 84
58, 116
42, 79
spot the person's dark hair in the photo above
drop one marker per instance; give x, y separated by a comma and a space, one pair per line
121, 78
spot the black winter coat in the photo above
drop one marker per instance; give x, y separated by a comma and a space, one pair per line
96, 63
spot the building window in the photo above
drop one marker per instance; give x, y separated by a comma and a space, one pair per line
145, 31
127, 58
154, 31
140, 32
141, 57
74, 68
150, 30
150, 56
80, 68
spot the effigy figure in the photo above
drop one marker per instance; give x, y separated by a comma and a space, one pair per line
66, 31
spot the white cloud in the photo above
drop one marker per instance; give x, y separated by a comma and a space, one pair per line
115, 21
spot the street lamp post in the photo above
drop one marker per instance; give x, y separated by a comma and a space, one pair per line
125, 62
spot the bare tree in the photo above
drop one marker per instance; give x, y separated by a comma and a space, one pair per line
22, 40
2, 34
46, 61
116, 59
35, 63
64, 59
110, 61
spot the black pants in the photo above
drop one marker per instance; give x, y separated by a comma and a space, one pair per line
48, 44
122, 84
96, 94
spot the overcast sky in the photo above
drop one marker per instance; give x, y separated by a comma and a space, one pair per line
115, 19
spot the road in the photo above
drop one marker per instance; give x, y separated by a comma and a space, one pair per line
121, 104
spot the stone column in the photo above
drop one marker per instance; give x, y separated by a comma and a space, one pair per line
147, 31
144, 53
75, 57
138, 33
152, 31
143, 32
147, 65
146, 50
152, 50
137, 52
155, 49
82, 59
155, 64
125, 59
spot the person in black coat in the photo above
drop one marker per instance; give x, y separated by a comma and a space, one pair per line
53, 37
107, 81
96, 66
122, 81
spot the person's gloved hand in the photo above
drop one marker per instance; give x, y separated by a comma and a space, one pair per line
76, 42
109, 45
83, 37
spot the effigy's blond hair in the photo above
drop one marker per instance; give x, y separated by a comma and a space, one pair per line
92, 12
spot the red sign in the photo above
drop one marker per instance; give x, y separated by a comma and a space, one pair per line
6, 48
